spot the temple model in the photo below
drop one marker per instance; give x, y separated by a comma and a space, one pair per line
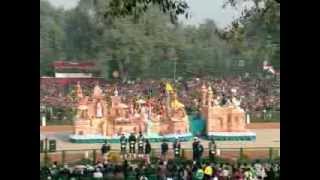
96, 117
225, 122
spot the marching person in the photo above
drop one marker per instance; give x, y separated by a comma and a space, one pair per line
164, 150
212, 149
147, 151
132, 144
197, 150
194, 149
123, 148
140, 145
200, 150
177, 148
105, 150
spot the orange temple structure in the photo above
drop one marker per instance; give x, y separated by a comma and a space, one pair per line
100, 117
98, 120
223, 122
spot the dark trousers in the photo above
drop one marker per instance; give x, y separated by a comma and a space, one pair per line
212, 157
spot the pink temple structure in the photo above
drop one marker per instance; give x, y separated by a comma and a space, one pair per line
228, 120
96, 116
108, 116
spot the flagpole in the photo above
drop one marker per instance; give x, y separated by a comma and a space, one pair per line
174, 71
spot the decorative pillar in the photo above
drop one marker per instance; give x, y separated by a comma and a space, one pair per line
204, 95
210, 97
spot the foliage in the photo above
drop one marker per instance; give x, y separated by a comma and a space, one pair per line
255, 35
136, 8
150, 46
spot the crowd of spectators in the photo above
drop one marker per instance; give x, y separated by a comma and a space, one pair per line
256, 94
165, 170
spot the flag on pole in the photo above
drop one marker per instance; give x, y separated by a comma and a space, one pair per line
169, 88
268, 68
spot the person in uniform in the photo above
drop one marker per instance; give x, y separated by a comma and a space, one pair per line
140, 145
132, 144
123, 146
177, 148
197, 150
105, 149
147, 151
164, 150
212, 149
200, 150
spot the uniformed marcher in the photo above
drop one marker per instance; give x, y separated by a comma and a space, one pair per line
197, 150
164, 150
147, 151
132, 144
194, 149
123, 144
200, 150
212, 150
140, 145
105, 149
177, 148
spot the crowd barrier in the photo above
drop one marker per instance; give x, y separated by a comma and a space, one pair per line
94, 155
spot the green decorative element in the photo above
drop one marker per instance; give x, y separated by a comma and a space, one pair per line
197, 124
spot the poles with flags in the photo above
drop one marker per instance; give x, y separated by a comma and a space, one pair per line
269, 68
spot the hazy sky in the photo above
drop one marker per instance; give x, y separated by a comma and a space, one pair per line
200, 10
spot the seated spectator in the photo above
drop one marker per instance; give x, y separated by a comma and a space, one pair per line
208, 171
199, 175
97, 174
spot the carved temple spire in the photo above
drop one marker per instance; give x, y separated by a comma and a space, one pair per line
210, 96
79, 93
97, 92
204, 95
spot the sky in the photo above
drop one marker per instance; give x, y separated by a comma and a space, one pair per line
200, 11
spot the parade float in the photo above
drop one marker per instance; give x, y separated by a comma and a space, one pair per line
97, 120
224, 122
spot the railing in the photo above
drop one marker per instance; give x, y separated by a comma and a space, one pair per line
93, 155
268, 116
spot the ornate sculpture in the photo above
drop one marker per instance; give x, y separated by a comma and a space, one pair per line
204, 95
124, 118
79, 93
99, 113
97, 92
116, 93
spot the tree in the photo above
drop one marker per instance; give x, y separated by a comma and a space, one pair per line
136, 8
51, 36
256, 34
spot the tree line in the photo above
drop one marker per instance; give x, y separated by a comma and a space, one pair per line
150, 44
